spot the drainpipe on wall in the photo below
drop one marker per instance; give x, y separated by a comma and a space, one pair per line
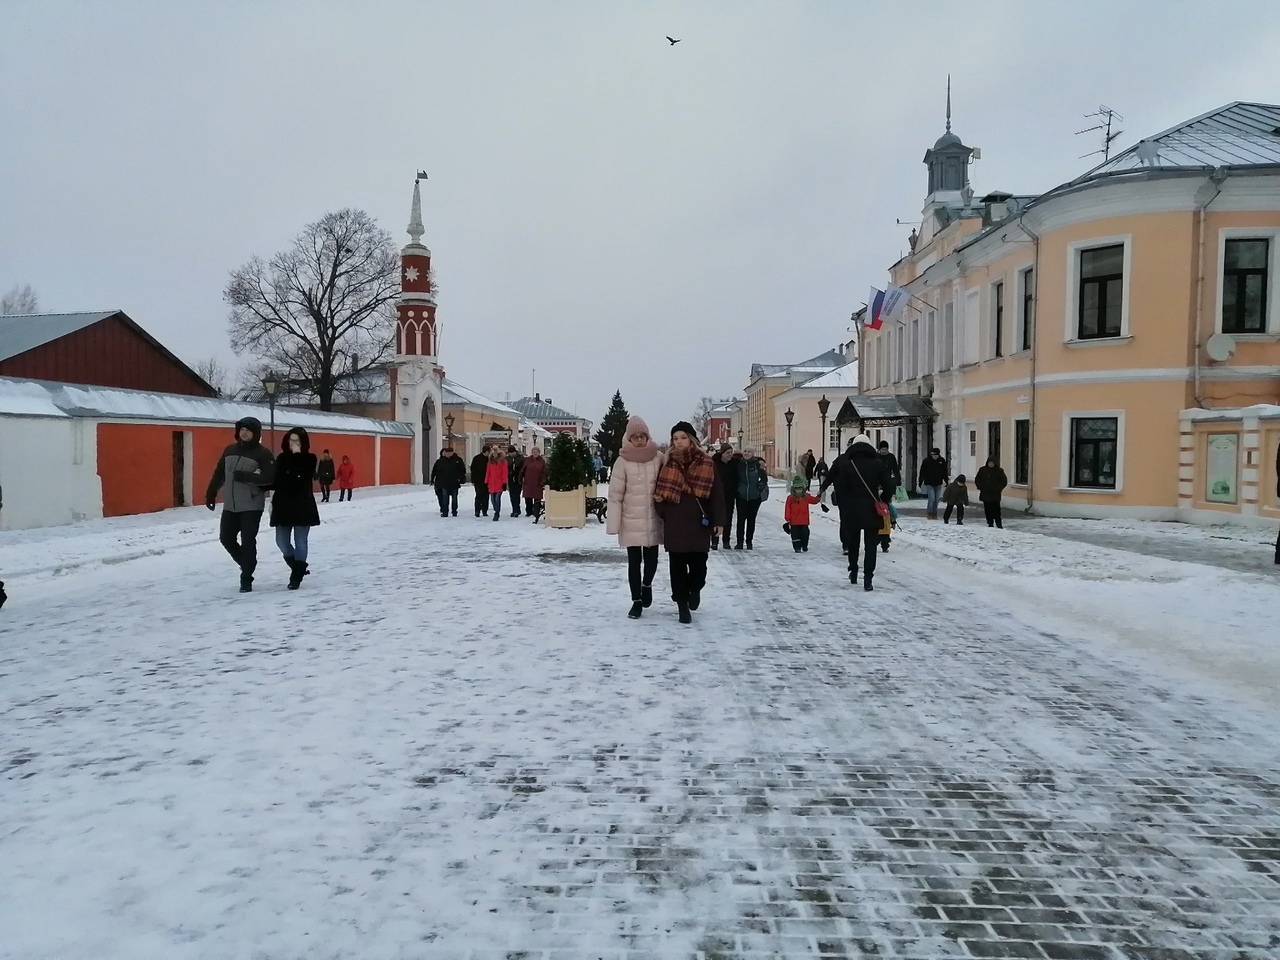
1035, 336
1215, 182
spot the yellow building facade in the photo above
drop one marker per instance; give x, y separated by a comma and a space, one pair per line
1066, 334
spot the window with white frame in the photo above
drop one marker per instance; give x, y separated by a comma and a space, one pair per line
948, 335
1094, 452
1021, 450
915, 349
1100, 292
1245, 268
897, 354
930, 340
997, 319
1026, 319
971, 340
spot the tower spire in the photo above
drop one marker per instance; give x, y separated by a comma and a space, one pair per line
948, 109
416, 229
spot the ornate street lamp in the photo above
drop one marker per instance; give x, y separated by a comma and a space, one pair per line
448, 429
739, 440
790, 415
823, 406
270, 386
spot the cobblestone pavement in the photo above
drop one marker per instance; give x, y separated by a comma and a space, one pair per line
920, 779
807, 771
1244, 551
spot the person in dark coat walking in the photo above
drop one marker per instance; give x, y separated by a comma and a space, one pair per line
895, 478
820, 470
244, 472
293, 505
809, 462
991, 481
448, 474
479, 467
533, 480
515, 479
688, 499
752, 490
861, 481
326, 473
727, 472
933, 477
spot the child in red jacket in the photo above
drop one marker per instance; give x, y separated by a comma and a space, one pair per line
346, 477
796, 514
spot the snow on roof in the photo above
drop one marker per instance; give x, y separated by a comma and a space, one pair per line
23, 332
455, 392
1236, 135
19, 397
841, 378
815, 365
540, 411
1262, 411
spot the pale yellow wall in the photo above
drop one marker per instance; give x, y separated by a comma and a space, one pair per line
1269, 439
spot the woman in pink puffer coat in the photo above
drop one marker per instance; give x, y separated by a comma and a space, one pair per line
632, 515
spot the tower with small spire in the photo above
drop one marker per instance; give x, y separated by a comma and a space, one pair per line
418, 379
948, 163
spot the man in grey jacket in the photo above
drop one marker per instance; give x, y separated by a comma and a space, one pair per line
246, 470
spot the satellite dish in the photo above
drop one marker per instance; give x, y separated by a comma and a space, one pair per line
1220, 347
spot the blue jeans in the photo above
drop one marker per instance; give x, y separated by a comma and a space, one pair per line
495, 501
933, 494
296, 550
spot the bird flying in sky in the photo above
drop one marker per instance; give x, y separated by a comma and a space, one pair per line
673, 42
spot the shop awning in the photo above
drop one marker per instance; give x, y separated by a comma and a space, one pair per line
885, 411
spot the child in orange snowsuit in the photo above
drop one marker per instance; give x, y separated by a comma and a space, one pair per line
796, 514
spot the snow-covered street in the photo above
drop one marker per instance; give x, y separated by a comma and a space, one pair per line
452, 743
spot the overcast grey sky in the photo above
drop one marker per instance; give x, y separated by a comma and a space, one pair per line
613, 211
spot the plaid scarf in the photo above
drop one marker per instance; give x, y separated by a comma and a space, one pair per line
689, 472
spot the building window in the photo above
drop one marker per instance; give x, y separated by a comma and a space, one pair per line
993, 441
897, 354
973, 444
997, 293
1101, 292
1244, 286
931, 337
948, 336
946, 443
833, 438
1094, 451
1021, 451
915, 348
1028, 305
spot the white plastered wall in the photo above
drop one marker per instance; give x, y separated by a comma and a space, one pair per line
48, 472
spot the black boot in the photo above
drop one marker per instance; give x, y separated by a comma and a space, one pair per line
636, 610
866, 584
715, 543
246, 583
695, 599
298, 570
853, 575
646, 595
685, 615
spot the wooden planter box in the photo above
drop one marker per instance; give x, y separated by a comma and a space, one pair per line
565, 508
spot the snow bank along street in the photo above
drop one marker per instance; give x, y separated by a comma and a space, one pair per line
1019, 746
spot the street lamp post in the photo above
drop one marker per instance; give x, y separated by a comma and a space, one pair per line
448, 429
823, 406
739, 440
790, 415
270, 386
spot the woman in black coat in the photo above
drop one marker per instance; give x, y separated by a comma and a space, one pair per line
861, 480
293, 505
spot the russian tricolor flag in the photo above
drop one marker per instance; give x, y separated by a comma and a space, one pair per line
875, 309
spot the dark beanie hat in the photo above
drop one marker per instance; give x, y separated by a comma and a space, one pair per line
684, 426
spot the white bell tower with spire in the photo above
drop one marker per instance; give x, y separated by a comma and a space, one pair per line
418, 380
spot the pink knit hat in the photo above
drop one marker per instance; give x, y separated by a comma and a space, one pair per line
636, 425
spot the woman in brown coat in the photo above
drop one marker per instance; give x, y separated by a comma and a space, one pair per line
688, 498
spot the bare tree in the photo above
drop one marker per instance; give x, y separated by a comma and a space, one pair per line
20, 300
322, 308
212, 372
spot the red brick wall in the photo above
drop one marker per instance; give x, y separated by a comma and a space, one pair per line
109, 353
135, 461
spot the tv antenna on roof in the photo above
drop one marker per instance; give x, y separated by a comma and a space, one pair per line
1106, 117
